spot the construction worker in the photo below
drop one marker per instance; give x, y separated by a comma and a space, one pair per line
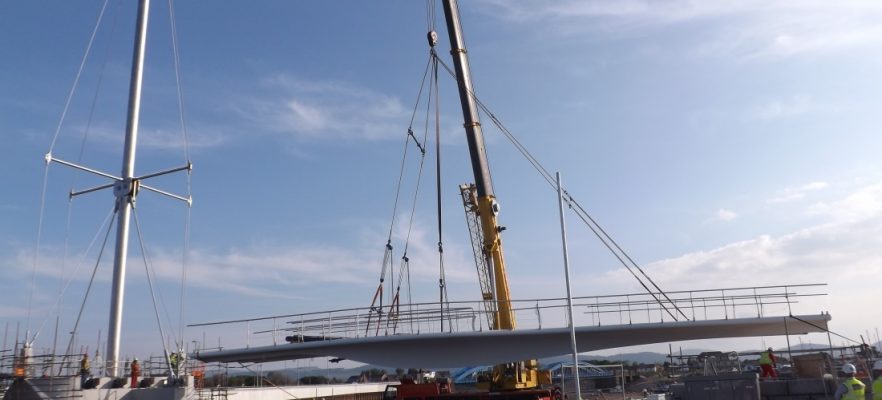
768, 363
877, 383
851, 388
136, 372
85, 370
174, 359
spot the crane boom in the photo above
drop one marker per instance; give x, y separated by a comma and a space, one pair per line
488, 208
515, 375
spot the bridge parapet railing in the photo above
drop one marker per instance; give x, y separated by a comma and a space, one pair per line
470, 316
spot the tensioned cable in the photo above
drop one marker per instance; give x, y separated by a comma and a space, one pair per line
150, 280
186, 138
51, 147
442, 285
89, 286
406, 142
601, 234
177, 63
76, 269
823, 329
404, 270
599, 231
79, 74
80, 156
387, 254
158, 288
430, 15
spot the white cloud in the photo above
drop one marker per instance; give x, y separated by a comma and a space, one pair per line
795, 193
262, 270
783, 108
328, 110
744, 29
842, 252
723, 215
156, 138
860, 205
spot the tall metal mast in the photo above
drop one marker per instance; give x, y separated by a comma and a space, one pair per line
126, 190
487, 206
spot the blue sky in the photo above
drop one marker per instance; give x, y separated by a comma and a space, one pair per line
725, 143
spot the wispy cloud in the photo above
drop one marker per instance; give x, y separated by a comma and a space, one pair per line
164, 139
266, 270
794, 193
745, 29
783, 108
327, 110
723, 215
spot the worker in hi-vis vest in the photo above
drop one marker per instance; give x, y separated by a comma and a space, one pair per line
85, 370
767, 364
851, 388
877, 383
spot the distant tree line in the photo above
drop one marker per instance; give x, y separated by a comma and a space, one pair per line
281, 378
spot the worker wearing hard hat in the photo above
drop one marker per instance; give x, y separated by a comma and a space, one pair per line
767, 363
851, 388
877, 384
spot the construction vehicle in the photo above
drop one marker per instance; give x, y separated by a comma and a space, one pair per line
481, 212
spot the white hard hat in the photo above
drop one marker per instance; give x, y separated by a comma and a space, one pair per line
878, 365
136, 358
848, 369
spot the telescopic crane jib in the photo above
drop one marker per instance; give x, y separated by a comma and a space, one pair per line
519, 375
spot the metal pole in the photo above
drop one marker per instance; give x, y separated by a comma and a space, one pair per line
787, 335
125, 191
54, 350
566, 260
5, 336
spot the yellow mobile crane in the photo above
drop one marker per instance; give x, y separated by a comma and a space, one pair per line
481, 211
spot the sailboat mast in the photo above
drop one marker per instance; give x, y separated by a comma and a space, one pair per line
126, 190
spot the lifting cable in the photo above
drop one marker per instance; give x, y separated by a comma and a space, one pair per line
431, 17
442, 284
586, 218
387, 256
404, 267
